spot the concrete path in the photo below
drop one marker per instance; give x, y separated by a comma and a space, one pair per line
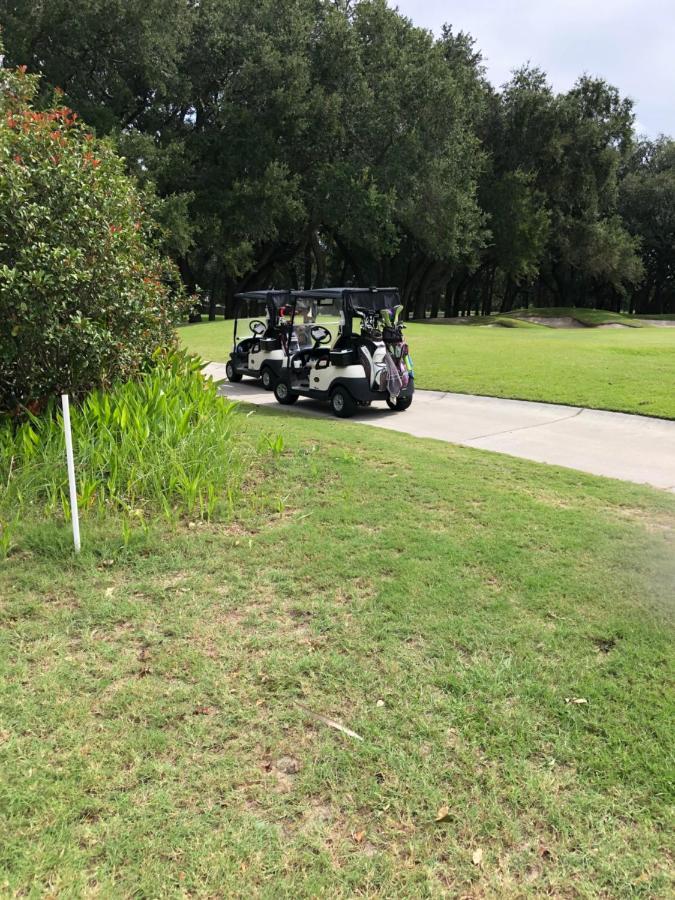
632, 448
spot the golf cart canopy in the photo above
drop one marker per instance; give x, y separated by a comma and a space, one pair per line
358, 299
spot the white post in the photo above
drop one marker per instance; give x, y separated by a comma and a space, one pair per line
65, 405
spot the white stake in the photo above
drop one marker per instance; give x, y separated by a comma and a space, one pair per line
65, 405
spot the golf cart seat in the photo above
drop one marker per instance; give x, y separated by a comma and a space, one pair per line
244, 346
303, 357
270, 342
345, 351
318, 352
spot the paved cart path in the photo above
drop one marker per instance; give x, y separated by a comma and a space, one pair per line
632, 448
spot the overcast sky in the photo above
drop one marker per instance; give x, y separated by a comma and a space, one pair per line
630, 43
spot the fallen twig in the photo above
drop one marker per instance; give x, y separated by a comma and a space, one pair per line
330, 722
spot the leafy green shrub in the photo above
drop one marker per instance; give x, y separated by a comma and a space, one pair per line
163, 442
84, 296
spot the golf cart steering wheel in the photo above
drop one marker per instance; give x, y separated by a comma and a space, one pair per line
320, 335
257, 327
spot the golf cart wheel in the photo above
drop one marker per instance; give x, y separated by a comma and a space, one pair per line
399, 404
267, 378
342, 403
232, 374
284, 394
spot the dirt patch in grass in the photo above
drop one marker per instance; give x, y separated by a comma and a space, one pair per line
61, 600
651, 521
358, 590
173, 580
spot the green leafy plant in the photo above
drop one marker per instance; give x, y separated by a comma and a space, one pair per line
273, 442
6, 536
165, 442
85, 298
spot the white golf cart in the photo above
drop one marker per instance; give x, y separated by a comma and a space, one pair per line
260, 355
347, 348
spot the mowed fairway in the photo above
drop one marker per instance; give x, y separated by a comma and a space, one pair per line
498, 633
629, 370
624, 369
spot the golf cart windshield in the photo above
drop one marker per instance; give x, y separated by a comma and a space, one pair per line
356, 300
323, 310
307, 312
257, 307
372, 301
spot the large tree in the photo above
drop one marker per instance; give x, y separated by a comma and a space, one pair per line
551, 191
291, 137
648, 206
115, 60
591, 250
304, 141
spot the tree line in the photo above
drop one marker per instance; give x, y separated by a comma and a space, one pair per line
304, 142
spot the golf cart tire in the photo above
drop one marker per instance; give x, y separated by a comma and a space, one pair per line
342, 403
232, 374
400, 404
267, 378
284, 394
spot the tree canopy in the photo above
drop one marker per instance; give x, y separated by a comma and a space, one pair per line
303, 141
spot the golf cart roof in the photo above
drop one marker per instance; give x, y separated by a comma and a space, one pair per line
372, 298
275, 298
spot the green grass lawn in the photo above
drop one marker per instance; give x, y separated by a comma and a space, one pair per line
629, 370
159, 697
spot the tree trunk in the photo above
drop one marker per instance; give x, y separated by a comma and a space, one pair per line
507, 299
320, 259
421, 295
386, 270
414, 272
488, 289
449, 293
230, 291
307, 283
212, 300
348, 256
453, 293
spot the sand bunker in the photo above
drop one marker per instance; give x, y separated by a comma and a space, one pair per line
553, 321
